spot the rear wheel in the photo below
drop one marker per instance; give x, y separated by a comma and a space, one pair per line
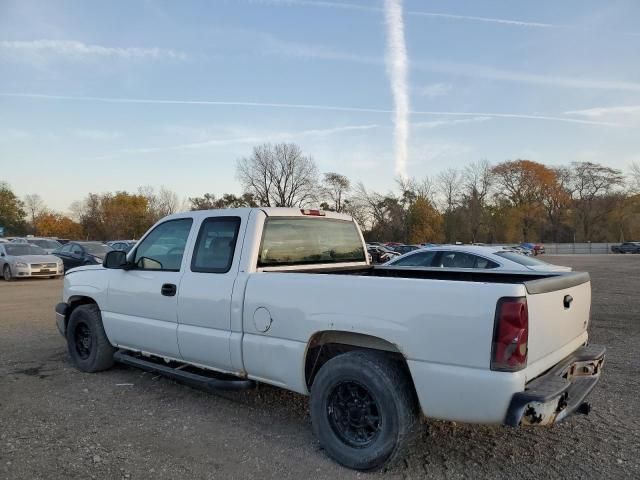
363, 409
87, 342
6, 273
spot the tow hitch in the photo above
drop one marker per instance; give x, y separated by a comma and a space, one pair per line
560, 392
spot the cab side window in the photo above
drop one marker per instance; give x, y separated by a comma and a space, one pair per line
163, 248
215, 245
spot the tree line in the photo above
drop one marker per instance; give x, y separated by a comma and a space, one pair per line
512, 201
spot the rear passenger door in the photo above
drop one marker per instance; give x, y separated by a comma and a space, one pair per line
205, 297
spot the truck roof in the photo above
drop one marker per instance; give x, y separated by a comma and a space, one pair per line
269, 211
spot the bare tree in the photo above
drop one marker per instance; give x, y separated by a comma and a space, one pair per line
336, 186
635, 177
590, 183
161, 203
279, 175
476, 185
449, 183
35, 207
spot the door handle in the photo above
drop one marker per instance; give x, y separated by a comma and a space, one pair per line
168, 290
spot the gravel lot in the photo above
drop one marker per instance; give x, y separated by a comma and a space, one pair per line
56, 422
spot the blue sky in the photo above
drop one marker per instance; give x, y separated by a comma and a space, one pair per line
104, 96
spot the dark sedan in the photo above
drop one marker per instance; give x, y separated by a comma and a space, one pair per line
626, 247
75, 254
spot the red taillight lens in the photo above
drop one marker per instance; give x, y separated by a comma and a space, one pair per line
510, 335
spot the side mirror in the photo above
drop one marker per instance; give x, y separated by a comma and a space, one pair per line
2, 254
115, 259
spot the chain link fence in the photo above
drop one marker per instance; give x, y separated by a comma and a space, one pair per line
578, 248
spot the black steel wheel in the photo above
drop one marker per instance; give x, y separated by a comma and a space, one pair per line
354, 414
6, 273
82, 340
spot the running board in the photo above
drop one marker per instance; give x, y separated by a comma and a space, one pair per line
206, 380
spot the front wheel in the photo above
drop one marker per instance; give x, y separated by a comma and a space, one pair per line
6, 273
88, 345
363, 409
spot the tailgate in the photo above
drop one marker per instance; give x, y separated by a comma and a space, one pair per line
559, 309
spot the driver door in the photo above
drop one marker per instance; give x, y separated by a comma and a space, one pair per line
141, 312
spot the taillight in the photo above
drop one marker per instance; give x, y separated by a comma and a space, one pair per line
510, 335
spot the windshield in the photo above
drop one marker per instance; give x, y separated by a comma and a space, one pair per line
96, 249
521, 259
18, 249
303, 241
52, 244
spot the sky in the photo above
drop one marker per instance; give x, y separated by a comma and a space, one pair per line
106, 96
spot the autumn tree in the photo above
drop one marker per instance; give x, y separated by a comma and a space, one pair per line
12, 211
424, 222
57, 225
556, 200
279, 175
522, 183
593, 186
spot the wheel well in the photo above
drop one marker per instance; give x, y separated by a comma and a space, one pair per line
75, 302
323, 346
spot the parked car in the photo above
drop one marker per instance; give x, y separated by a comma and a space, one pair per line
23, 260
381, 254
475, 257
124, 245
402, 249
286, 297
74, 254
47, 244
626, 247
535, 248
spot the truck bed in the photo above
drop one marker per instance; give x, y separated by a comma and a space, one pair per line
535, 282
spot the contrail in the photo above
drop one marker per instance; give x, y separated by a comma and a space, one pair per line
398, 68
300, 106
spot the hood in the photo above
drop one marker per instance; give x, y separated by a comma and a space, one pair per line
85, 267
35, 258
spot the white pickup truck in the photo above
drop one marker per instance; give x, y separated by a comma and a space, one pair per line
228, 298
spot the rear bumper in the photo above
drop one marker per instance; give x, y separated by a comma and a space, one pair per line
61, 315
561, 391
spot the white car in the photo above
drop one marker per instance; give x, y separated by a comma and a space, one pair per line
286, 297
474, 257
22, 260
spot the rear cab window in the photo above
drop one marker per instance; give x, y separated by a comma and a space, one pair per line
309, 241
521, 259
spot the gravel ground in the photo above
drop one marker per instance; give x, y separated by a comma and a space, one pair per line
56, 422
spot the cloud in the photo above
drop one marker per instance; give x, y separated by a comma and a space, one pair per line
435, 90
448, 16
249, 139
89, 134
446, 123
606, 111
301, 106
38, 51
398, 69
273, 46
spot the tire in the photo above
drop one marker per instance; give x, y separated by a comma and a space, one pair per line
6, 273
350, 381
88, 345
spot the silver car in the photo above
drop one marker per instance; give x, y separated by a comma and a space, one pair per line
47, 244
22, 260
